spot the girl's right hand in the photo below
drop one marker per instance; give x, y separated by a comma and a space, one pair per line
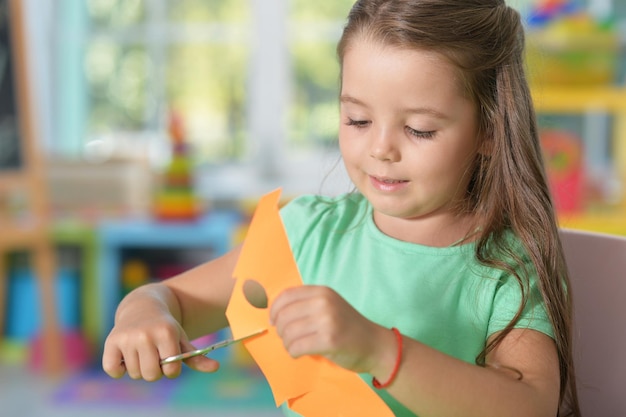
137, 346
149, 321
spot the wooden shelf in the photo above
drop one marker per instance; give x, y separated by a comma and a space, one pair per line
611, 222
24, 173
579, 99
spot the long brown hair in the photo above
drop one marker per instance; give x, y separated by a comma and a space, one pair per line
484, 39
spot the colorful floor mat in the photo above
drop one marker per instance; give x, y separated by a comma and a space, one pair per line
232, 389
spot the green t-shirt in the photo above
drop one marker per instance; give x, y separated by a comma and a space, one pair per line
440, 296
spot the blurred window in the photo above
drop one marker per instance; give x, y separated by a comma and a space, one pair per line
315, 28
254, 80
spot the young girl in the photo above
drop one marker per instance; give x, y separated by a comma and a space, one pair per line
450, 240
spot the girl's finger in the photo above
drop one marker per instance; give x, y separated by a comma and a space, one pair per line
131, 362
281, 300
202, 364
150, 364
171, 369
113, 364
199, 363
301, 338
288, 297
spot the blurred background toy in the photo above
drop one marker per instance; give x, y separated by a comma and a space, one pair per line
564, 165
568, 44
176, 198
135, 272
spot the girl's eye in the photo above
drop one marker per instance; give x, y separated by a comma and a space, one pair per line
421, 134
359, 124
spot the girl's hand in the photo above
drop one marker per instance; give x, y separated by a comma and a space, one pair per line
315, 320
137, 346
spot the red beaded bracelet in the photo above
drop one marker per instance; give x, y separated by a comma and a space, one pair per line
380, 385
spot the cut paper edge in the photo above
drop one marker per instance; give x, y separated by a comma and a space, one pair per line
311, 385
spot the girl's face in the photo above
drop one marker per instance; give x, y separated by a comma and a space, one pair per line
408, 137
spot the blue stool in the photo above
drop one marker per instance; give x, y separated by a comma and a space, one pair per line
24, 305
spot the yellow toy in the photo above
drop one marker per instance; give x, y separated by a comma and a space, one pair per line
176, 199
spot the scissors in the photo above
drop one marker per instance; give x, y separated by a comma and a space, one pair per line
205, 350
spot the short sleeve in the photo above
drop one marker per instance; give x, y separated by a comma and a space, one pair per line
299, 217
508, 298
310, 217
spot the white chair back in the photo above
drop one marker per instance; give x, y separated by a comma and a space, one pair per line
597, 268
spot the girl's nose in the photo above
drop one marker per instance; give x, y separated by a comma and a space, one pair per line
384, 147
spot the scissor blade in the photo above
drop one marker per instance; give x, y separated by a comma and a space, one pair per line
205, 350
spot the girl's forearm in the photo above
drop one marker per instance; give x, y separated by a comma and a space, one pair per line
431, 383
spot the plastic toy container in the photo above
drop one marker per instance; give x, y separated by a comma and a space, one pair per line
576, 52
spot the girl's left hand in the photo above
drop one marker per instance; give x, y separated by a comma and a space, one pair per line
315, 320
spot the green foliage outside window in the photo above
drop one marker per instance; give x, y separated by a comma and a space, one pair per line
192, 56
316, 28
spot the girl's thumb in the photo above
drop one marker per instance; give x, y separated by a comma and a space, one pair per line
198, 363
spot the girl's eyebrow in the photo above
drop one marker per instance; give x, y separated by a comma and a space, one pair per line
344, 98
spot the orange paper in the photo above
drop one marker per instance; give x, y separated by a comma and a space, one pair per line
312, 385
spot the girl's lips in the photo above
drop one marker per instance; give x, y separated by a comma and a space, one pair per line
387, 184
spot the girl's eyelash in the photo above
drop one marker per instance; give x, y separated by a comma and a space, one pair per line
357, 123
420, 134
